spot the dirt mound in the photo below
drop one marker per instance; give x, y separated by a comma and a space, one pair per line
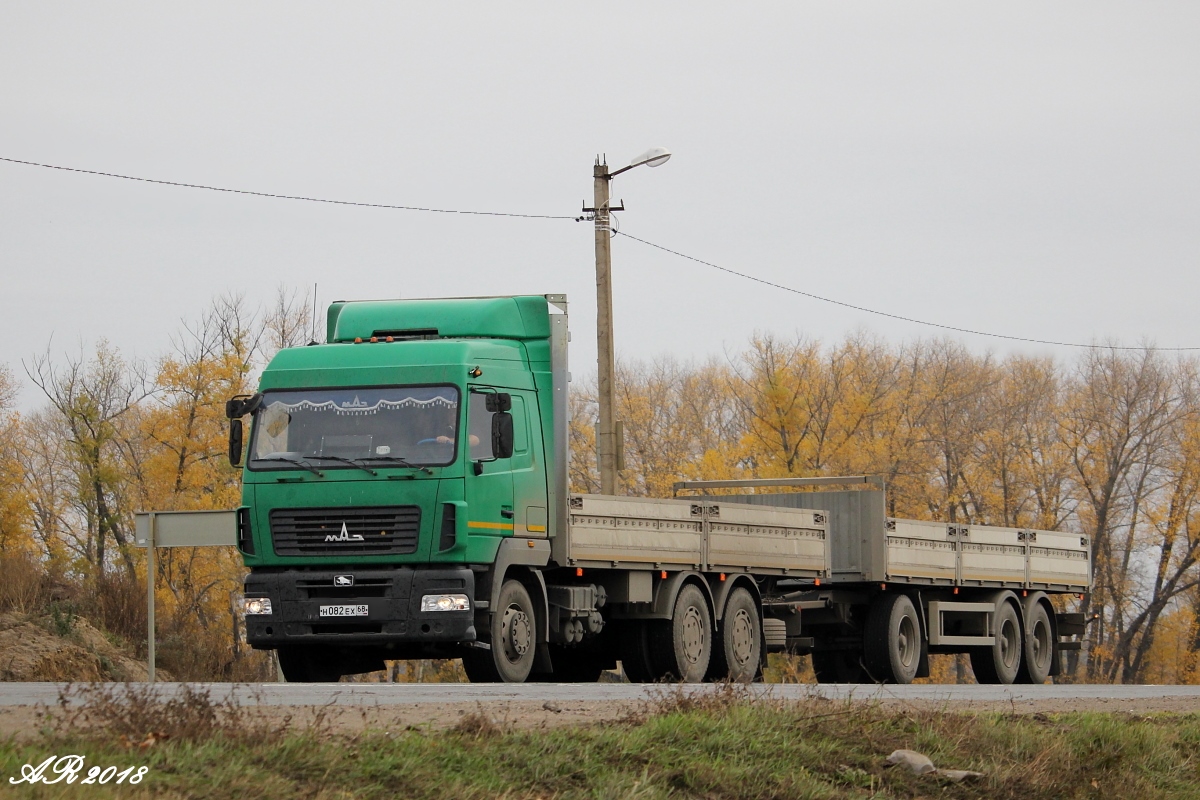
43, 648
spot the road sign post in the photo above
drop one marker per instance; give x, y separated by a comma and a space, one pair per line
155, 529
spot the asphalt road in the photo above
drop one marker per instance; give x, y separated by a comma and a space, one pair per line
402, 694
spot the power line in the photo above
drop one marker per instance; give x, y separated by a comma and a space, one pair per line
890, 315
575, 218
285, 196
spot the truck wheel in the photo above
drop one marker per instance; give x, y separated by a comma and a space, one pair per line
513, 640
738, 649
635, 652
839, 666
682, 646
1039, 647
308, 664
892, 643
1001, 662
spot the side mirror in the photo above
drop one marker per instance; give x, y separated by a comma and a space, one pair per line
243, 404
500, 401
502, 435
235, 442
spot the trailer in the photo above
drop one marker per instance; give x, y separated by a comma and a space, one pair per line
406, 495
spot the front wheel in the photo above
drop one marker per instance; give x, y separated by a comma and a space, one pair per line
513, 640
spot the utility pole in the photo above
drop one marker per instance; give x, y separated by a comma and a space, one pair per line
610, 434
606, 435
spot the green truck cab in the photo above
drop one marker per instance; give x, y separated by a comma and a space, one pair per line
388, 470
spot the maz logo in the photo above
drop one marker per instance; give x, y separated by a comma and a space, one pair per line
345, 536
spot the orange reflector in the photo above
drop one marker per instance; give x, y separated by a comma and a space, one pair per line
579, 572
1024, 593
956, 590
664, 575
883, 587
390, 339
358, 340
818, 581
529, 542
722, 576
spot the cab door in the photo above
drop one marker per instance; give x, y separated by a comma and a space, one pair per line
489, 480
528, 471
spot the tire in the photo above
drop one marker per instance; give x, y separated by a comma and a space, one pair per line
635, 652
892, 643
738, 649
681, 647
308, 664
1038, 655
513, 639
1001, 662
839, 666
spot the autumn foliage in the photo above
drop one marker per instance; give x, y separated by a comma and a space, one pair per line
1106, 443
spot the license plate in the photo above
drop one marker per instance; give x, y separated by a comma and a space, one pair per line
343, 611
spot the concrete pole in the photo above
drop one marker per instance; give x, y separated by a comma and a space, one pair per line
605, 358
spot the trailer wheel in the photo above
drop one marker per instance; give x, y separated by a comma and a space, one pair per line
738, 649
892, 642
1039, 647
513, 640
682, 646
308, 664
1001, 662
839, 666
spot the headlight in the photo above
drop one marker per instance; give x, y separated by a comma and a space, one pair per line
445, 602
257, 605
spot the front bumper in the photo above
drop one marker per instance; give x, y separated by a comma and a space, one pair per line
392, 596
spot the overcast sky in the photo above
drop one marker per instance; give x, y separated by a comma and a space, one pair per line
1024, 168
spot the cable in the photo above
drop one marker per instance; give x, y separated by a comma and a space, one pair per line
615, 232
895, 316
285, 196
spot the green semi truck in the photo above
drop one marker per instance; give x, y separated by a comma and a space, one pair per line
406, 495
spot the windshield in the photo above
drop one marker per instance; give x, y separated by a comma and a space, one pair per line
415, 425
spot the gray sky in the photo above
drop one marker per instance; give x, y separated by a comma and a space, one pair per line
1024, 168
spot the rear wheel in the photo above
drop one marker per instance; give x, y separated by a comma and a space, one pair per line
309, 664
738, 649
1001, 662
893, 639
513, 640
1038, 647
682, 646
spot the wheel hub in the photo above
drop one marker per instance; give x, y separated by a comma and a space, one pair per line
517, 633
693, 635
743, 636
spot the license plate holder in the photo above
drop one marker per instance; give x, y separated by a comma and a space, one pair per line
341, 610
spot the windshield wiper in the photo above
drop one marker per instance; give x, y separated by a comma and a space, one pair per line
400, 461
352, 462
300, 462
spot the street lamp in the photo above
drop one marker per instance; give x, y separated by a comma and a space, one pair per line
609, 437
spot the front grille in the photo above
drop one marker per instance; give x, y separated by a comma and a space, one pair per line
392, 530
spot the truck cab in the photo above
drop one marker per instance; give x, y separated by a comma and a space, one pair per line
384, 470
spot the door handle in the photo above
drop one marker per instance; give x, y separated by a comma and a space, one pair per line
507, 513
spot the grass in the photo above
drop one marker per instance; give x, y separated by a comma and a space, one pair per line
726, 746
